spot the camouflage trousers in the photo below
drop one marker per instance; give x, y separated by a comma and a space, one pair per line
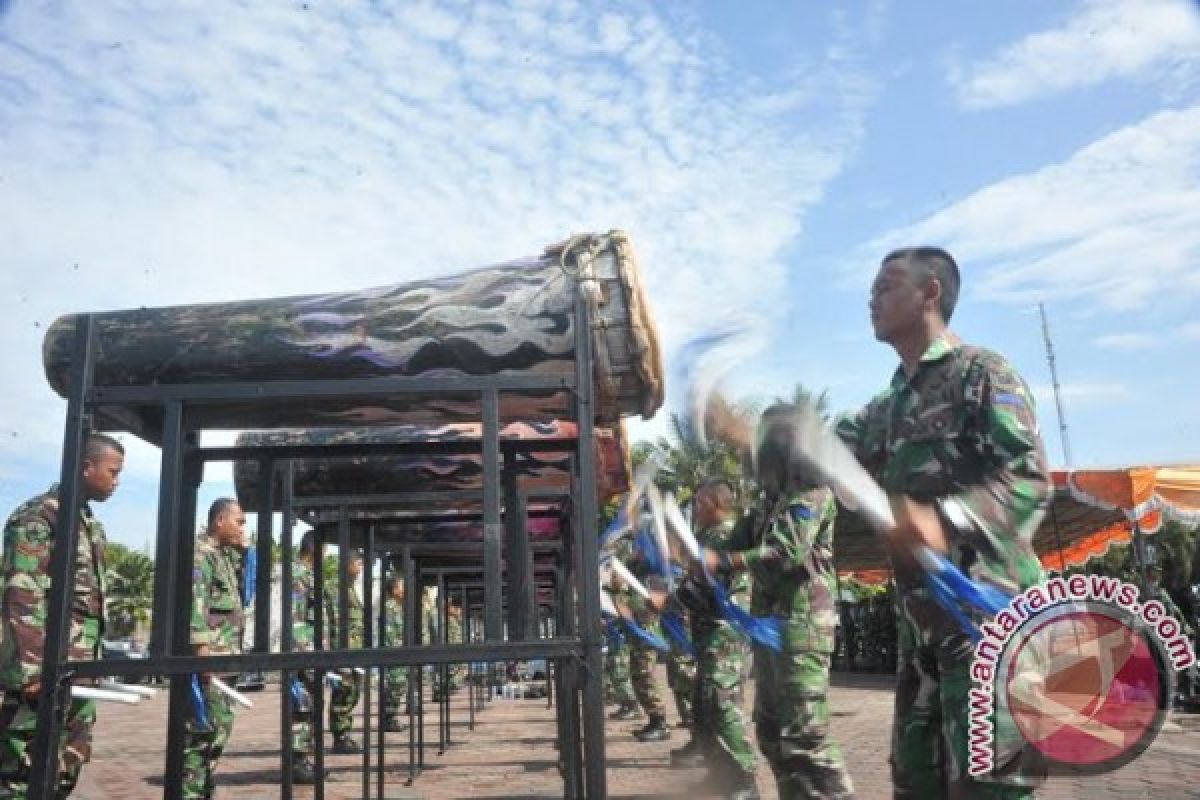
791, 715
720, 724
642, 660
343, 700
456, 673
930, 728
395, 691
681, 677
203, 746
616, 673
303, 742
18, 725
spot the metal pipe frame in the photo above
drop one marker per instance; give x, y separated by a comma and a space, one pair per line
170, 646
54, 699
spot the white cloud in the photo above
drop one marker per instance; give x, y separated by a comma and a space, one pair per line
1103, 40
1115, 224
1190, 331
153, 159
1127, 342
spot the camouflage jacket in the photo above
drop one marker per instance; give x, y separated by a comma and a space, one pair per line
304, 606
354, 610
787, 544
25, 576
218, 617
393, 623
454, 628
722, 537
962, 433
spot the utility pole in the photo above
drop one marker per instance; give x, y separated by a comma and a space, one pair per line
1064, 439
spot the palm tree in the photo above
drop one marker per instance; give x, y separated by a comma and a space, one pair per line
130, 588
803, 396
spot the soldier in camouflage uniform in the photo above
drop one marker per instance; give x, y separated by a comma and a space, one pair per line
643, 658
348, 687
616, 673
395, 687
454, 635
28, 543
681, 677
721, 652
304, 611
217, 626
954, 439
786, 544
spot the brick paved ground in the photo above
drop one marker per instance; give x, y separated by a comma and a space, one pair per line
511, 755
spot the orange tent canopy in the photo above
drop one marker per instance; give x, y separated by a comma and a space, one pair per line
1141, 496
1090, 512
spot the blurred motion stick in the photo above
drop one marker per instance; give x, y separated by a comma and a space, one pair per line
231, 693
627, 576
128, 688
679, 526
105, 695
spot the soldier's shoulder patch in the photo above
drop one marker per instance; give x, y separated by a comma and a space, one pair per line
1008, 399
800, 512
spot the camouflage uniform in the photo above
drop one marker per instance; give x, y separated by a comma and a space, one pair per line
28, 542
643, 657
787, 545
962, 433
454, 635
681, 677
344, 697
304, 607
721, 656
616, 671
217, 622
395, 687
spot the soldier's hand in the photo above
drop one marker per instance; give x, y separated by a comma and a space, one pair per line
32, 691
916, 524
657, 599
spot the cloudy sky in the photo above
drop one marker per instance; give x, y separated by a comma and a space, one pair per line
763, 156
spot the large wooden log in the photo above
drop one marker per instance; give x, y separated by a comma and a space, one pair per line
514, 318
362, 475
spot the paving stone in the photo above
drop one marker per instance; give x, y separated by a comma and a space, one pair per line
511, 754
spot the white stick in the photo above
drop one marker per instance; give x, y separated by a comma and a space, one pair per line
606, 604
231, 693
104, 695
128, 688
821, 449
660, 529
679, 525
627, 576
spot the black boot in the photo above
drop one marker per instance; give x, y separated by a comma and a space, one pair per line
626, 712
655, 731
690, 755
743, 787
304, 771
345, 745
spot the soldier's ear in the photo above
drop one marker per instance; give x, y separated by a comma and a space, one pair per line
933, 295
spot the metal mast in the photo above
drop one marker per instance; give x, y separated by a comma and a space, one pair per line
1062, 420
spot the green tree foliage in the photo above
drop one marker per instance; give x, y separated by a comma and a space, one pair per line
130, 589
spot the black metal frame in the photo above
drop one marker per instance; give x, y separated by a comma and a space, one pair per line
575, 650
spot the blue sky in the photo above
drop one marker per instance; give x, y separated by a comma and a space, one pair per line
764, 156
